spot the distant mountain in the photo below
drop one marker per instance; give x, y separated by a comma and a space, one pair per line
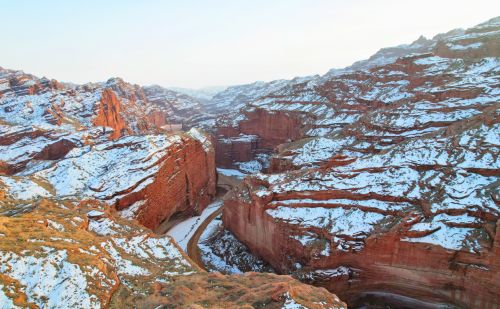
234, 97
205, 93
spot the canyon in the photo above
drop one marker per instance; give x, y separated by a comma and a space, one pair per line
370, 186
88, 173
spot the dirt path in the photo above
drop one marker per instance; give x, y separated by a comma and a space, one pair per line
193, 251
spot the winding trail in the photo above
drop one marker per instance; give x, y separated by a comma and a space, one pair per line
187, 233
193, 251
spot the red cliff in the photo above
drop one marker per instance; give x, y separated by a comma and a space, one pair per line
397, 223
109, 115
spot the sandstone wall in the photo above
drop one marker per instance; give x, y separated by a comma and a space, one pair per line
427, 273
108, 114
262, 130
186, 182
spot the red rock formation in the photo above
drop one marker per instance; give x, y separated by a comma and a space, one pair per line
421, 271
382, 224
37, 144
185, 183
157, 118
108, 115
386, 103
273, 128
55, 151
261, 130
235, 149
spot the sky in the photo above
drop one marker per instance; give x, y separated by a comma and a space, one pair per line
195, 43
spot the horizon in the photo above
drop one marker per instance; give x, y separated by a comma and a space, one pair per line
206, 52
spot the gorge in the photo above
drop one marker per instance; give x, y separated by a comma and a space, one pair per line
371, 186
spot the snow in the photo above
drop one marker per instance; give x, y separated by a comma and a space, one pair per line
464, 47
216, 262
55, 225
242, 138
183, 231
201, 137
231, 172
318, 150
454, 238
433, 60
102, 167
23, 188
250, 167
362, 204
23, 149
333, 272
389, 182
95, 213
49, 280
147, 248
103, 227
290, 303
124, 266
131, 211
319, 131
353, 222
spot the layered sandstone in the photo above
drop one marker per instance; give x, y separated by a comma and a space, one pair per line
391, 189
419, 220
109, 115
153, 175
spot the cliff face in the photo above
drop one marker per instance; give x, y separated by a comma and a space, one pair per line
109, 115
261, 130
156, 176
185, 182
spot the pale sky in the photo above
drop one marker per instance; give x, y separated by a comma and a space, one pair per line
189, 43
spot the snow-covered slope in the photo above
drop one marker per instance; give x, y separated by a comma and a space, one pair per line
394, 181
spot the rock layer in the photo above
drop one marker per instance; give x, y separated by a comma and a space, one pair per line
420, 220
391, 188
